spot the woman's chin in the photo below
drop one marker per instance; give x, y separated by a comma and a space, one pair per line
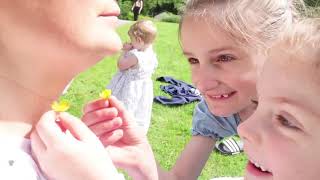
108, 49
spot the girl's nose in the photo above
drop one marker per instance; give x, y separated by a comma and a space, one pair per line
205, 79
205, 85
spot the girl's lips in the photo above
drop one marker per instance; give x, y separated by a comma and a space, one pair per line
255, 171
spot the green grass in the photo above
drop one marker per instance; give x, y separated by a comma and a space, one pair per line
170, 129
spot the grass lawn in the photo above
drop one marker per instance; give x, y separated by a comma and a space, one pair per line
170, 129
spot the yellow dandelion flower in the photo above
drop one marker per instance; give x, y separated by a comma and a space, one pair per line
105, 94
61, 106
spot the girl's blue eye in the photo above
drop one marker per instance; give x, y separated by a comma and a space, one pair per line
286, 123
225, 58
193, 60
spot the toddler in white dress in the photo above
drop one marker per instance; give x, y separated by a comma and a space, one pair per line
132, 84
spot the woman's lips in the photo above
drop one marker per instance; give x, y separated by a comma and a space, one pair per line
110, 14
111, 18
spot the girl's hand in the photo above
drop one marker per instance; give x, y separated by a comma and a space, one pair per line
127, 143
72, 154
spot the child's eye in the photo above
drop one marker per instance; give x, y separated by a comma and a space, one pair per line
225, 58
255, 102
286, 123
193, 60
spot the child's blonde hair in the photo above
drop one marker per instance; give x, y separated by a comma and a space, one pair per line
303, 40
144, 30
254, 23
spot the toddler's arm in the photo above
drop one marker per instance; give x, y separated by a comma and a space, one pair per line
74, 154
127, 59
127, 47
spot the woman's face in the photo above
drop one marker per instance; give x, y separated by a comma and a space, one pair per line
68, 32
224, 72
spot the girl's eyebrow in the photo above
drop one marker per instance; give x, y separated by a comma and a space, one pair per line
187, 53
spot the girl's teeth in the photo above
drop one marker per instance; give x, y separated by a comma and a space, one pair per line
221, 96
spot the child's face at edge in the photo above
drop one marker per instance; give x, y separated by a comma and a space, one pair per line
224, 73
61, 29
283, 134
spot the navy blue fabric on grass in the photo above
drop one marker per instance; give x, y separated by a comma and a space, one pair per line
181, 92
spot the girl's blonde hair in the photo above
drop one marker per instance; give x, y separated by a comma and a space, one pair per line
144, 30
254, 23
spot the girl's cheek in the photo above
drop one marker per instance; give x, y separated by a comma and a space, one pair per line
194, 77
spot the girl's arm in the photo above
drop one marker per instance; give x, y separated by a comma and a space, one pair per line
191, 161
127, 61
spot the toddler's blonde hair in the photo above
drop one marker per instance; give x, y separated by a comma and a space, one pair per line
144, 30
255, 23
303, 40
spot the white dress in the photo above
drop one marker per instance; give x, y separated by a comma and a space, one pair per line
16, 160
134, 86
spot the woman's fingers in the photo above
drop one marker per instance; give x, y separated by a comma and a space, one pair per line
48, 130
38, 147
76, 127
